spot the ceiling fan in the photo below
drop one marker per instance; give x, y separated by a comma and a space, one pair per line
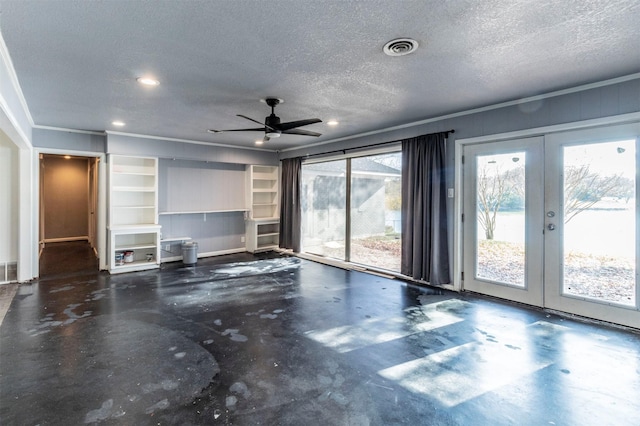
272, 127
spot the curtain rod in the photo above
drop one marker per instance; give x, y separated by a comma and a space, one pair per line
344, 151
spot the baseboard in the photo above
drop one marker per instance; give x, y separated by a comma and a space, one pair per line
65, 239
364, 268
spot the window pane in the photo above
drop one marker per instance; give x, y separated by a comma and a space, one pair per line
324, 208
599, 237
500, 239
375, 210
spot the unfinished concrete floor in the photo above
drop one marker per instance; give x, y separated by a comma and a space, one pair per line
277, 340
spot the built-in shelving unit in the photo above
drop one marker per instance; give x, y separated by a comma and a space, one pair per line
262, 234
263, 192
133, 213
141, 241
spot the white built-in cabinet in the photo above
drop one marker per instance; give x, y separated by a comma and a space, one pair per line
262, 234
263, 194
133, 213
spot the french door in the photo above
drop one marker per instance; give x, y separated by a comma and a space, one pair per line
553, 222
503, 247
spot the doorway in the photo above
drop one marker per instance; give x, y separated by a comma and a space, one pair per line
553, 222
68, 214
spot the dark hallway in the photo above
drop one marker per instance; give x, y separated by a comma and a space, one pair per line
270, 339
67, 258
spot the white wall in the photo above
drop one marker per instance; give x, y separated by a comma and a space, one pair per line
9, 191
16, 125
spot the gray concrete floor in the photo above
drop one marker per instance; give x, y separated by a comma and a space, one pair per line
272, 340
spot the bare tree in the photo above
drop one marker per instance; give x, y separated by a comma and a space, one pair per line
582, 189
493, 188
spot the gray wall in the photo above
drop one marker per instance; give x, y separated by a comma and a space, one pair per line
114, 143
161, 148
69, 141
198, 185
187, 186
214, 232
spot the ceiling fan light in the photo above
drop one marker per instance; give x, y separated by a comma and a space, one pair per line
272, 134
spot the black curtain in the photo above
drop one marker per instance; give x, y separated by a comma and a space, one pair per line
425, 251
290, 211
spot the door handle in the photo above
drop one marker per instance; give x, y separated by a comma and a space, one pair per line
551, 227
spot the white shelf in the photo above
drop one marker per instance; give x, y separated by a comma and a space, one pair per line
203, 211
270, 234
141, 228
263, 234
172, 239
263, 191
133, 189
134, 247
265, 176
134, 173
266, 219
133, 212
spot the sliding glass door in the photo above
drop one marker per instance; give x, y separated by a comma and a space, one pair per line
375, 211
323, 199
358, 222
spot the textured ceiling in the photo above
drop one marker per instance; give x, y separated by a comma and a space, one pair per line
77, 60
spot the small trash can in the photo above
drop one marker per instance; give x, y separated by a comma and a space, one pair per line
190, 253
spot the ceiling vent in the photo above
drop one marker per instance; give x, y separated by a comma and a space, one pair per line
400, 47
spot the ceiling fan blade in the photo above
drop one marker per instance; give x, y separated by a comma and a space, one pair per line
257, 129
299, 123
255, 121
301, 132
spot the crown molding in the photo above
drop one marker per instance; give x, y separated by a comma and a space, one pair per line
162, 138
535, 98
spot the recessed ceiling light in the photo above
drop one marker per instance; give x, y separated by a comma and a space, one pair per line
332, 123
67, 157
148, 81
118, 123
400, 47
259, 142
